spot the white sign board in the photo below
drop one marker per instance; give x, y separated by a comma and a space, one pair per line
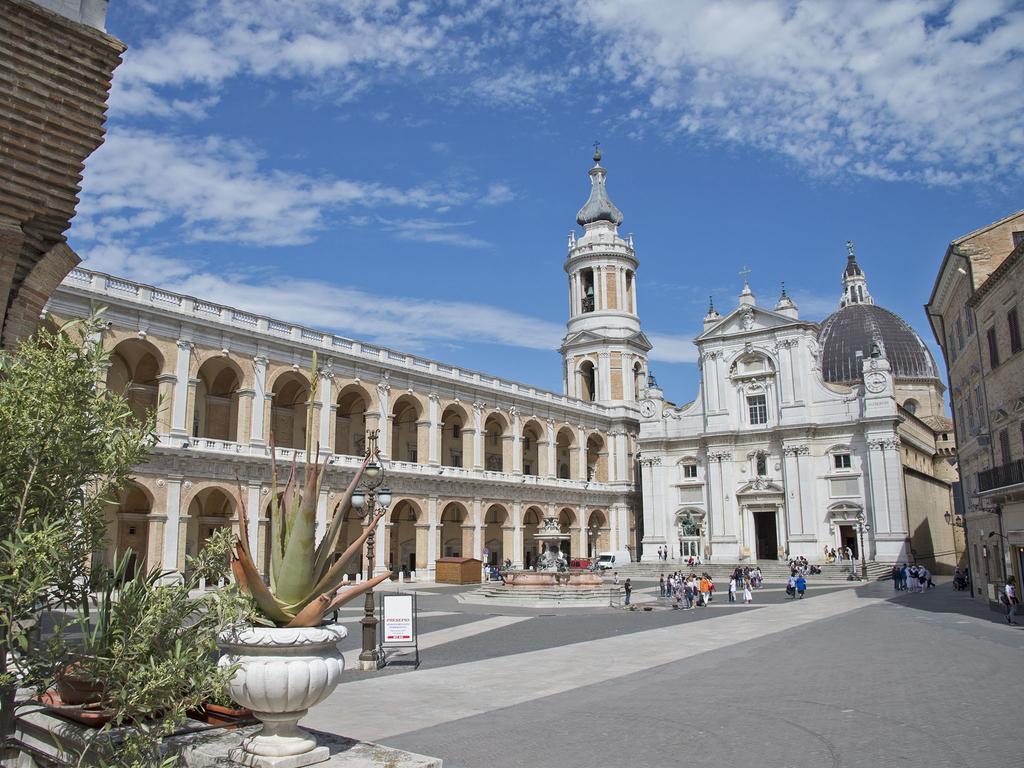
399, 621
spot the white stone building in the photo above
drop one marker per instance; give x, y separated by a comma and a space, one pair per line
794, 435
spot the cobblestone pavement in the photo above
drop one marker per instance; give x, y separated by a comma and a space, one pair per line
848, 677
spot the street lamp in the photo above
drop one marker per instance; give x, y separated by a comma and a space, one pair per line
862, 525
370, 498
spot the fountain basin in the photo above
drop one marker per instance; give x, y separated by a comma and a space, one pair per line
576, 578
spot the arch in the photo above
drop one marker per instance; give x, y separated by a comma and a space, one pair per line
639, 379
209, 510
496, 427
289, 401
406, 414
352, 404
567, 522
630, 287
128, 521
598, 530
586, 381
352, 526
216, 406
135, 365
402, 522
597, 458
496, 519
455, 429
588, 299
755, 362
566, 455
910, 405
532, 437
532, 517
453, 516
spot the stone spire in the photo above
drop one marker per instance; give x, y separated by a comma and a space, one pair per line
855, 284
786, 305
712, 316
598, 207
747, 297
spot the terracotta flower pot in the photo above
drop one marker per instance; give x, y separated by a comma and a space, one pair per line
282, 672
75, 687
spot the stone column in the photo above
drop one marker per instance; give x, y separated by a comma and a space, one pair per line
321, 513
581, 526
253, 514
432, 536
477, 550
380, 563
422, 549
326, 411
259, 427
179, 409
435, 434
791, 482
383, 395
551, 470
604, 376
477, 461
422, 441
621, 457
165, 402
581, 453
514, 461
508, 544
173, 523
243, 418
517, 535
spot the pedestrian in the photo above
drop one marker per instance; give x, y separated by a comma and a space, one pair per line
1010, 600
801, 586
904, 576
849, 554
897, 573
791, 585
705, 590
732, 589
748, 596
628, 589
661, 586
615, 578
688, 593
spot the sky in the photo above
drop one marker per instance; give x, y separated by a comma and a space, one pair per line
407, 173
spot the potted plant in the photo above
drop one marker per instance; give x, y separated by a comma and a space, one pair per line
292, 662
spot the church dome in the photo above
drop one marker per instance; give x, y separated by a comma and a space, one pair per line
598, 206
855, 328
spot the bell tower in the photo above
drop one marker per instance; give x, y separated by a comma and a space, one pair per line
604, 351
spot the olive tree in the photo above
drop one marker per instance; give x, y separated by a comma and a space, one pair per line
67, 446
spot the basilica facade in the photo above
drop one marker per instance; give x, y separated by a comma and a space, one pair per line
799, 434
803, 438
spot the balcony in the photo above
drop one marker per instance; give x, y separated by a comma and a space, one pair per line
1001, 476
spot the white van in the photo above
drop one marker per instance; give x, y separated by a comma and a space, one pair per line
614, 559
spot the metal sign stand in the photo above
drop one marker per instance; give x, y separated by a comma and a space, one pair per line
404, 612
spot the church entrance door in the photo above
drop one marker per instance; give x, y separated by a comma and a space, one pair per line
766, 535
848, 538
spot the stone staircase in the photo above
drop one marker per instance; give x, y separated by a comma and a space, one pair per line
606, 594
771, 570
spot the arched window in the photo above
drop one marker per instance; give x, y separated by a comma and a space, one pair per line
587, 381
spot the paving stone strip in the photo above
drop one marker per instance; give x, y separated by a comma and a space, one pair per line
430, 697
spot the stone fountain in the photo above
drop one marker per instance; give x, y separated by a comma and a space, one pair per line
550, 581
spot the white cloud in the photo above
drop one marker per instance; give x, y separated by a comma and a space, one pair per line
923, 90
407, 323
433, 231
672, 349
498, 194
219, 190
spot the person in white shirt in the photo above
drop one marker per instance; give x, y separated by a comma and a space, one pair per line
1010, 600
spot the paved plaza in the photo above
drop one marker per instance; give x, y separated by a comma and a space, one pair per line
850, 676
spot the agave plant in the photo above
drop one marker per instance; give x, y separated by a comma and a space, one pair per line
306, 583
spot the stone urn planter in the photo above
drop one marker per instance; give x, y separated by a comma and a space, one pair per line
282, 673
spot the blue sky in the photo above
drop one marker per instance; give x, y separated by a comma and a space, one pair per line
407, 172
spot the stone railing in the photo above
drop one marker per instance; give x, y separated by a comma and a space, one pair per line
204, 312
227, 447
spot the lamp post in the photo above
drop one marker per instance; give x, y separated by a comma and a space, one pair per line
862, 525
954, 521
369, 497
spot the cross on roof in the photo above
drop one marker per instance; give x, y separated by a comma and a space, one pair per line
849, 248
743, 273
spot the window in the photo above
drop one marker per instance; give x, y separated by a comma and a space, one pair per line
993, 348
757, 405
1014, 325
979, 408
1018, 238
689, 471
456, 459
969, 319
1004, 446
959, 335
842, 460
762, 465
951, 349
970, 413
456, 431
